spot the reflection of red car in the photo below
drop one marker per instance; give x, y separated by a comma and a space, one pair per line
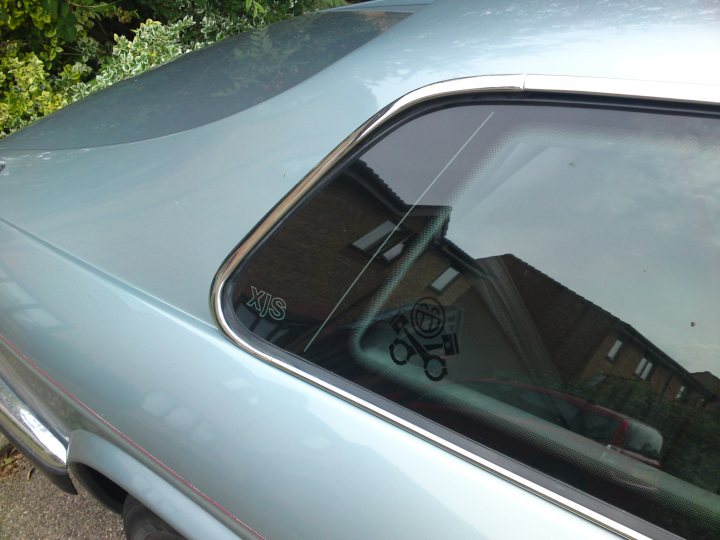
592, 448
611, 428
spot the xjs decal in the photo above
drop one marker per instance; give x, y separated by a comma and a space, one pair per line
265, 304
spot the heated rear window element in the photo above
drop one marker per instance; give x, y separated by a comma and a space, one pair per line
541, 280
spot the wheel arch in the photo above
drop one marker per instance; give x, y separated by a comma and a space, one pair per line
104, 468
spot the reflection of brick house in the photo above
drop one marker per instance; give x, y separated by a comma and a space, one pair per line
589, 344
517, 321
711, 383
321, 272
358, 240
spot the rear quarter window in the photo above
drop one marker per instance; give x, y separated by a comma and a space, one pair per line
477, 263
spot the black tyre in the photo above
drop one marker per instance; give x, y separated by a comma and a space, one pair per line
141, 524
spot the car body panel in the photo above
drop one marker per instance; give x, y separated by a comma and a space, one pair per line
200, 410
160, 496
115, 249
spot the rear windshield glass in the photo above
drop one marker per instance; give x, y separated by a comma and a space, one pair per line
541, 280
209, 84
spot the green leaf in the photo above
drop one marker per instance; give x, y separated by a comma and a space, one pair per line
51, 6
64, 10
66, 24
67, 31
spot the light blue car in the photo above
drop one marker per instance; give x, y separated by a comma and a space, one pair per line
400, 270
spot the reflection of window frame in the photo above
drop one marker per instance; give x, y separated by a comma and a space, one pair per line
644, 368
444, 280
375, 237
371, 241
395, 251
613, 352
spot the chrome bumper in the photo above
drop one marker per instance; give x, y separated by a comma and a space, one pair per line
29, 435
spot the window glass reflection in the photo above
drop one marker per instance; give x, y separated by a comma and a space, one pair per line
541, 280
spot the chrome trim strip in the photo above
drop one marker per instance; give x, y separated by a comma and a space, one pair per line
474, 85
22, 424
658, 90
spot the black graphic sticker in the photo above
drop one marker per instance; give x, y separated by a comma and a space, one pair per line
428, 317
427, 321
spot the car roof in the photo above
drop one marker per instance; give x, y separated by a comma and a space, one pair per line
164, 212
661, 41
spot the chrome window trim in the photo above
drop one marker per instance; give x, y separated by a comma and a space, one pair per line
577, 86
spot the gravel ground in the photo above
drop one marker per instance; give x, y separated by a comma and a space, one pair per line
34, 509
